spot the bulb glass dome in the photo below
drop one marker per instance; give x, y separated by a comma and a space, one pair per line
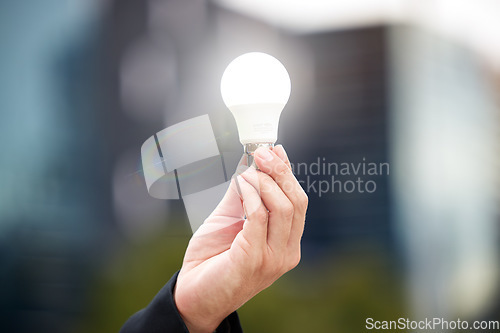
255, 78
256, 87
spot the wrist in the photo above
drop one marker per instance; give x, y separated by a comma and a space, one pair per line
196, 319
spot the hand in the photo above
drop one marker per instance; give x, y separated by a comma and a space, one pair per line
230, 259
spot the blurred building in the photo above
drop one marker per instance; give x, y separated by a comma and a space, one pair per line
85, 83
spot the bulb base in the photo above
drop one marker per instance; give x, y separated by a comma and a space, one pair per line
250, 149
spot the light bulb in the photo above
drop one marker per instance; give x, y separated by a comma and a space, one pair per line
255, 87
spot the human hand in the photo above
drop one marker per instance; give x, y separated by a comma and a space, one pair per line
231, 258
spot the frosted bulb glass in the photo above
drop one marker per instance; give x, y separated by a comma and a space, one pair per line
255, 87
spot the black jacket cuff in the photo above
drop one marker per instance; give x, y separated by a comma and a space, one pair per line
161, 315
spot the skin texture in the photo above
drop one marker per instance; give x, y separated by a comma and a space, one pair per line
249, 241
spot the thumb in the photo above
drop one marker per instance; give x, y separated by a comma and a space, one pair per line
231, 204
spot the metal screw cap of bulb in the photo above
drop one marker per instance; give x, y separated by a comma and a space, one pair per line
250, 149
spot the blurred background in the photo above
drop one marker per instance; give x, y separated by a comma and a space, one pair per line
416, 84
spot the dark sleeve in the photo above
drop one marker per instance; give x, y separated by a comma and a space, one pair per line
161, 315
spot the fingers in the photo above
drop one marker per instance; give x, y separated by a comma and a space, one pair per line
275, 203
230, 205
280, 151
269, 162
280, 208
255, 227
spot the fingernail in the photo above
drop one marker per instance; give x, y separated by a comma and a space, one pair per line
264, 153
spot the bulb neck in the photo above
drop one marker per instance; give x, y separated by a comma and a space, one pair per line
250, 148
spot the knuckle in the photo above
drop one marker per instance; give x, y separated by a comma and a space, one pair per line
281, 169
303, 201
287, 210
259, 215
289, 186
266, 184
304, 198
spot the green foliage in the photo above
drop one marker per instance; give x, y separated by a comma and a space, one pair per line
338, 296
130, 279
334, 296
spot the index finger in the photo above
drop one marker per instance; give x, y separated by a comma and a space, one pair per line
270, 163
280, 151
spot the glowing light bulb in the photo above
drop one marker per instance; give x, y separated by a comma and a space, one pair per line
255, 87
